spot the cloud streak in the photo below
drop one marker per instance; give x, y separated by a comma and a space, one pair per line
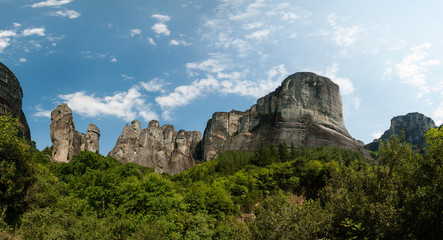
71, 14
51, 3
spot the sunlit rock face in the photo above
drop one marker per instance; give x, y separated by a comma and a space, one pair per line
11, 95
305, 110
158, 147
412, 126
66, 140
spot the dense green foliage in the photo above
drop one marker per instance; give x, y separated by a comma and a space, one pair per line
278, 192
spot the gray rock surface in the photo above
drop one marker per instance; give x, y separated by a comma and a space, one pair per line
305, 110
11, 95
159, 147
414, 125
66, 140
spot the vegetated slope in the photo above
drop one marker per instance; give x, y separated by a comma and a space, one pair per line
272, 193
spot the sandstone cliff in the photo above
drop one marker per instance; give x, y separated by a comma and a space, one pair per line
66, 140
414, 125
11, 95
157, 147
305, 110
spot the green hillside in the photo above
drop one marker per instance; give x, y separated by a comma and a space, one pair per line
278, 192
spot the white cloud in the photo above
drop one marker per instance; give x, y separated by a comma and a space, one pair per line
151, 41
414, 67
174, 42
5, 38
34, 31
342, 36
40, 112
125, 105
7, 33
376, 135
218, 79
16, 24
346, 86
66, 13
113, 58
161, 28
259, 34
211, 65
51, 3
134, 32
438, 115
155, 85
23, 60
161, 18
183, 95
127, 78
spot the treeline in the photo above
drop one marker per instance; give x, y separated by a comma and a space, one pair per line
277, 192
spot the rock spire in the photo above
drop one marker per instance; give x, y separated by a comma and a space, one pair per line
66, 140
159, 147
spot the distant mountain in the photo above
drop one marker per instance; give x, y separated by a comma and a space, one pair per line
414, 126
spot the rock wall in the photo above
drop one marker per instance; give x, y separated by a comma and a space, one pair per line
66, 140
414, 125
11, 95
305, 110
159, 147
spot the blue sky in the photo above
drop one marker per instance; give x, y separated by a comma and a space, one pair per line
114, 61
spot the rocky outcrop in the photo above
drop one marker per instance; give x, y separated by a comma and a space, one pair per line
11, 95
414, 126
66, 140
305, 110
159, 147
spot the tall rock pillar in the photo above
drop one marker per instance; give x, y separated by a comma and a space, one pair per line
66, 140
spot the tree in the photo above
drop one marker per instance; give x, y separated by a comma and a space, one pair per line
15, 171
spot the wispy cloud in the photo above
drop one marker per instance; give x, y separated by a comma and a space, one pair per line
97, 55
151, 41
134, 32
8, 36
161, 18
34, 31
413, 69
346, 86
5, 38
160, 27
51, 3
217, 78
342, 36
127, 78
178, 42
65, 13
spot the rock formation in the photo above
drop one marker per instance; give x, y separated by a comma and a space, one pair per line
66, 140
414, 125
11, 95
305, 110
157, 147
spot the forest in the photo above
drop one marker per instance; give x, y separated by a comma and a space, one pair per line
277, 192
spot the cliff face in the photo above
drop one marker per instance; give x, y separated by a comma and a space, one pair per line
11, 95
66, 140
305, 110
157, 147
414, 125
